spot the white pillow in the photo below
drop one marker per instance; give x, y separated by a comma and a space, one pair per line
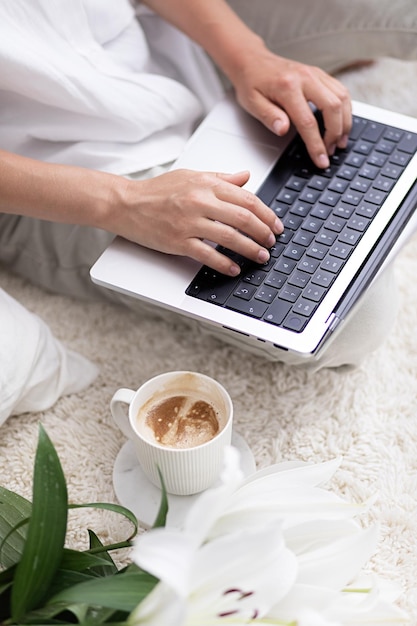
35, 368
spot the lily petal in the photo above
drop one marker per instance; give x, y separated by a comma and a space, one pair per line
168, 554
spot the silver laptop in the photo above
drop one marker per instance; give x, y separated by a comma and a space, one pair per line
342, 226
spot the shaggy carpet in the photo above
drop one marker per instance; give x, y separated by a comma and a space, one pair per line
367, 416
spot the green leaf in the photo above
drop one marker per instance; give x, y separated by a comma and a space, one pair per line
107, 569
43, 549
115, 508
121, 592
82, 561
64, 579
161, 518
14, 510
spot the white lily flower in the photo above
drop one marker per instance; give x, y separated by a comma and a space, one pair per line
236, 576
275, 548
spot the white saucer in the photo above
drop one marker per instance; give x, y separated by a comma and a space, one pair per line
137, 493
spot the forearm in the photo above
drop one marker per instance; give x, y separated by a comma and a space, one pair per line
58, 193
214, 26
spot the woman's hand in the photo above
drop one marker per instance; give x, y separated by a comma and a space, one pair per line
278, 91
178, 211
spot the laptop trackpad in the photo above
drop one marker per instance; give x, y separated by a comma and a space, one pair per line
215, 150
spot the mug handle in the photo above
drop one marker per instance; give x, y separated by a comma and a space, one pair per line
120, 415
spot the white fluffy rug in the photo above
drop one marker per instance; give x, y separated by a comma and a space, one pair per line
367, 416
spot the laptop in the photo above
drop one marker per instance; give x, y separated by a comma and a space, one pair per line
342, 226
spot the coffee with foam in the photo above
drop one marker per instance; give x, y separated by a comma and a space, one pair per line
184, 420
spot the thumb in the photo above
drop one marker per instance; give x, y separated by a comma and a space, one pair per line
237, 178
272, 116
279, 122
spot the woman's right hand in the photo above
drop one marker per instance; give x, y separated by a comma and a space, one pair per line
181, 211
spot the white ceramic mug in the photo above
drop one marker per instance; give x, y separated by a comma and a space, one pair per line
185, 470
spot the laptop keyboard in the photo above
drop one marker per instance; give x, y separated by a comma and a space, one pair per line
325, 213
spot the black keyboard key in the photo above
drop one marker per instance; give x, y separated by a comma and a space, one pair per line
392, 171
400, 158
308, 265
359, 223
322, 211
323, 278
287, 196
310, 195
377, 159
375, 197
292, 222
358, 127
355, 160
347, 172
299, 279
341, 250
296, 183
245, 291
408, 143
304, 307
330, 197
366, 209
352, 197
255, 277
277, 250
312, 224
335, 223
369, 171
326, 237
266, 294
253, 308
285, 266
339, 185
294, 251
314, 293
303, 238
349, 236
363, 147
344, 210
280, 209
277, 312
275, 279
373, 132
393, 134
300, 208
286, 236
361, 184
289, 293
295, 322
318, 182
383, 184
385, 146
332, 264
317, 251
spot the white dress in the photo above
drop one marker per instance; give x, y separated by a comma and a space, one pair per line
103, 99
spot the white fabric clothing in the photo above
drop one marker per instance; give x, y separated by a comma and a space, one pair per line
90, 101
36, 369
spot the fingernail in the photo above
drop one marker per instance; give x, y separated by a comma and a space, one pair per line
278, 227
323, 161
271, 241
263, 256
343, 141
234, 270
277, 127
332, 148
